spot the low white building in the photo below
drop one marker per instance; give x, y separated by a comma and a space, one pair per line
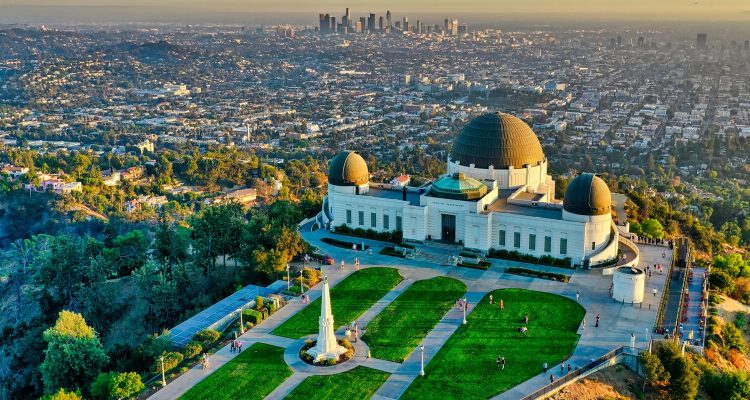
496, 194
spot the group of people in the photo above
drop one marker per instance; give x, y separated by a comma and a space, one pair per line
235, 346
356, 264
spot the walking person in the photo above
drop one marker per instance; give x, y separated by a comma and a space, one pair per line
239, 346
231, 346
342, 265
654, 292
356, 263
545, 367
578, 295
502, 363
491, 300
569, 368
551, 379
562, 368
583, 325
597, 321
502, 305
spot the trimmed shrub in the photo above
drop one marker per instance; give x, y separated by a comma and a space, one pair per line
523, 257
252, 316
192, 350
393, 236
171, 360
259, 302
538, 274
207, 336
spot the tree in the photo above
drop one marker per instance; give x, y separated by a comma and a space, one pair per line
652, 228
721, 281
730, 385
74, 355
653, 369
62, 394
683, 384
113, 385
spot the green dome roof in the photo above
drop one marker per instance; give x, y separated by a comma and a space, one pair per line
497, 139
458, 187
348, 168
588, 194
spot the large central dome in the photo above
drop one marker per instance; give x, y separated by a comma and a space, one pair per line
497, 139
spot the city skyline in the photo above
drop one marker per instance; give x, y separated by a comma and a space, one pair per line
297, 12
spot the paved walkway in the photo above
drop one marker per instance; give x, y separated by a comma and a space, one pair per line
693, 306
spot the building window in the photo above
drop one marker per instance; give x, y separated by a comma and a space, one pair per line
373, 220
532, 242
361, 218
349, 217
502, 237
517, 240
386, 222
563, 246
593, 245
398, 224
548, 244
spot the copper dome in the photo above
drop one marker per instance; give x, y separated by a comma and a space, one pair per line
348, 168
588, 194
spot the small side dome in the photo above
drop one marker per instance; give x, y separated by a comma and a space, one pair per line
588, 194
348, 168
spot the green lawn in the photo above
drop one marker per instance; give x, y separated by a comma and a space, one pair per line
349, 299
359, 383
465, 367
253, 374
396, 331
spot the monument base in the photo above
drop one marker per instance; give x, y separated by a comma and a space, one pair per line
319, 355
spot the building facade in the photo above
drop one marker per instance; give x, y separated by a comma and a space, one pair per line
496, 194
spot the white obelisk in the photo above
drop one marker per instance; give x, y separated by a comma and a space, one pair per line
327, 347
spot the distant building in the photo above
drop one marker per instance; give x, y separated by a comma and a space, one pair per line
243, 196
145, 146
401, 181
71, 187
14, 172
701, 41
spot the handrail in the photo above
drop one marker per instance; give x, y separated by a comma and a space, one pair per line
574, 374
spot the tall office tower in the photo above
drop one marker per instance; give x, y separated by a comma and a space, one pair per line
640, 41
381, 24
454, 27
332, 25
463, 29
325, 23
619, 41
701, 41
359, 27
398, 25
747, 44
405, 25
417, 28
446, 26
388, 21
612, 43
371, 23
347, 21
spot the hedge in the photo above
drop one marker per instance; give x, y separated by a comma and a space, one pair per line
523, 257
393, 236
539, 274
192, 350
207, 336
171, 360
344, 244
391, 251
253, 316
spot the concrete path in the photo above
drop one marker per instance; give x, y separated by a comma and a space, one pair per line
693, 306
290, 384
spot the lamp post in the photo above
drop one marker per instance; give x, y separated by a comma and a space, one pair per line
288, 281
242, 325
465, 307
632, 340
301, 283
163, 379
421, 371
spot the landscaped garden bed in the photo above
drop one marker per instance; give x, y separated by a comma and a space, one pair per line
399, 329
527, 258
349, 299
465, 366
309, 344
344, 244
359, 383
393, 236
253, 374
391, 251
538, 274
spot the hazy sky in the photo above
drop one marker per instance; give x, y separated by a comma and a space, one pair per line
231, 10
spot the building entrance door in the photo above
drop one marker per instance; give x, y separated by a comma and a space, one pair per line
448, 228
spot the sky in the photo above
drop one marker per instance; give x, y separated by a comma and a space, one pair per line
305, 11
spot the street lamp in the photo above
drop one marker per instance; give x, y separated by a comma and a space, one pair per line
242, 325
301, 283
163, 379
288, 281
465, 307
421, 371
